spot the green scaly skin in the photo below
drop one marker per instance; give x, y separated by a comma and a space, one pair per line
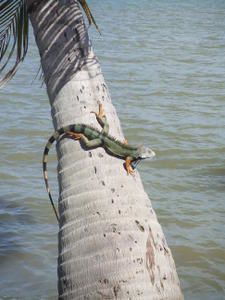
92, 138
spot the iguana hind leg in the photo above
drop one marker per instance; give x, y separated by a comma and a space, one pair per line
87, 143
74, 135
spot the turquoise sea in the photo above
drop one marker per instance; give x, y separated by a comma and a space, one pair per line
164, 63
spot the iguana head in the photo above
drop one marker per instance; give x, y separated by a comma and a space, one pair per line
142, 153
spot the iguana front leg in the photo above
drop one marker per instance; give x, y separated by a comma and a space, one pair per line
101, 118
128, 166
87, 143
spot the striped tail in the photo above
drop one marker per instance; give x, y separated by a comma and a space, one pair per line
50, 142
79, 128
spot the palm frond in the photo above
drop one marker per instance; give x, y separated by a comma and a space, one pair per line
88, 13
13, 35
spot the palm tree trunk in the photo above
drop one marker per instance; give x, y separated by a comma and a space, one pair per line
111, 245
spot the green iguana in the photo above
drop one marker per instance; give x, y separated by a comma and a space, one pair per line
93, 138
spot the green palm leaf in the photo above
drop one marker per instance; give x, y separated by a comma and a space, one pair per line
13, 35
88, 13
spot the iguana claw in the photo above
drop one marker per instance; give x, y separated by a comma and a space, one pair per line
128, 166
101, 112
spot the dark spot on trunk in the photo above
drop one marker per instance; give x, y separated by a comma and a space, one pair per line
166, 251
103, 182
95, 169
114, 227
140, 260
100, 155
139, 293
140, 226
112, 201
116, 289
77, 98
119, 211
113, 190
89, 154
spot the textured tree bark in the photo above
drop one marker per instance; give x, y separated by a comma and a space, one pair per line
111, 245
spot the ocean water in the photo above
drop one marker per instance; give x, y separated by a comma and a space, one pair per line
164, 63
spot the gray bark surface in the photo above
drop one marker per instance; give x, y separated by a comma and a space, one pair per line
111, 245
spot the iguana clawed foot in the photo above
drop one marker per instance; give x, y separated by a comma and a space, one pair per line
101, 113
101, 117
128, 167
